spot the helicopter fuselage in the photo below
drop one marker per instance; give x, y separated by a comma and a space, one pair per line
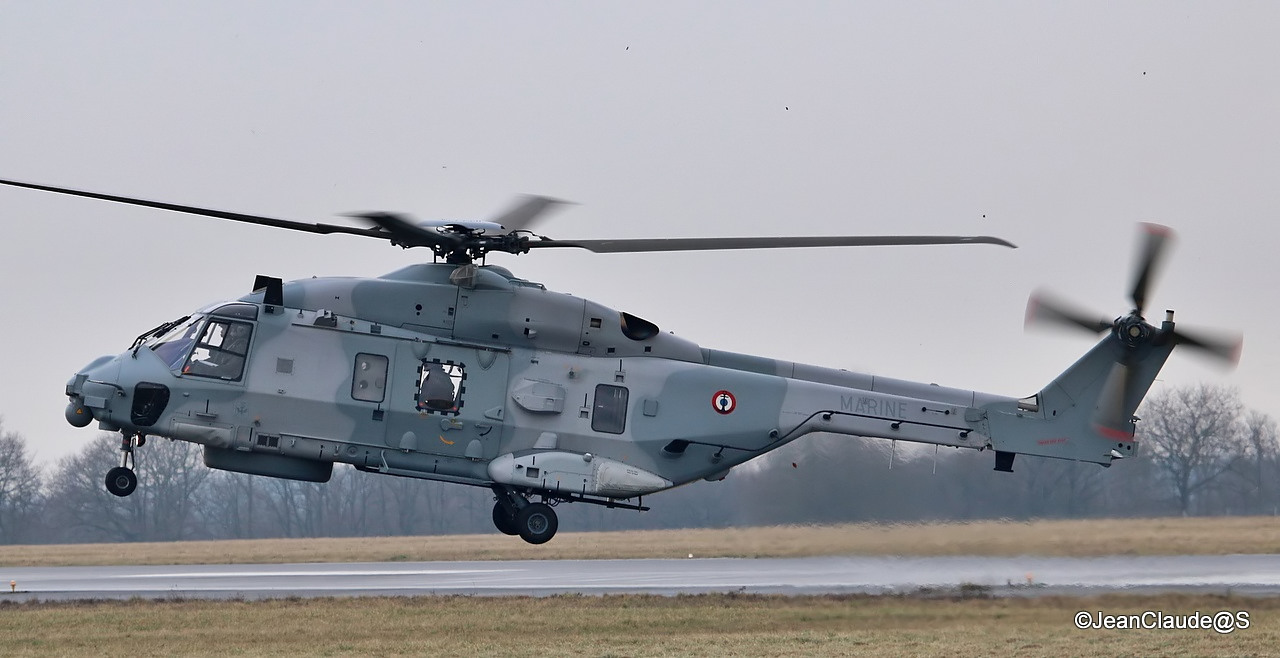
543, 390
471, 375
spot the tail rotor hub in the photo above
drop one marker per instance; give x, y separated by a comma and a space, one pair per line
1133, 331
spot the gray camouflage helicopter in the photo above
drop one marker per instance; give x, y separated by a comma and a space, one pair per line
461, 372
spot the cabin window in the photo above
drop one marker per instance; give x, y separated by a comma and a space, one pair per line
369, 381
441, 387
610, 410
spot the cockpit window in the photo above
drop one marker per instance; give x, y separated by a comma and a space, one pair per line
174, 344
237, 310
220, 350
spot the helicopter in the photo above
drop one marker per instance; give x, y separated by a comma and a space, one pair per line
459, 371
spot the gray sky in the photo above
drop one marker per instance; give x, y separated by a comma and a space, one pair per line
1057, 126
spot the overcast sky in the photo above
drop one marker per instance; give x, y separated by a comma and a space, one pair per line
1057, 126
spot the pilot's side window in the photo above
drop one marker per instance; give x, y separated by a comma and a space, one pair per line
221, 350
369, 381
609, 413
442, 385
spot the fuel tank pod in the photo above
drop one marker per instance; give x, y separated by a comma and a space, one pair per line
574, 472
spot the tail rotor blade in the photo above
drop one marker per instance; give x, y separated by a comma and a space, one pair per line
1156, 242
1222, 347
1045, 309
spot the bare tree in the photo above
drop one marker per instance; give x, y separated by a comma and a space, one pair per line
173, 472
20, 489
1059, 488
227, 505
1256, 470
169, 473
1193, 435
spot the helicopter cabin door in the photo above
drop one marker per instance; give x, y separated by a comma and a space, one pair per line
449, 400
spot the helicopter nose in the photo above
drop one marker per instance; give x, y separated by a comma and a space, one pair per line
91, 391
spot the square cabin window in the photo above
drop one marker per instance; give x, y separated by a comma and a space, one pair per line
610, 410
441, 386
369, 382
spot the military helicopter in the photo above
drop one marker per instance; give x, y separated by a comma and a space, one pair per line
462, 372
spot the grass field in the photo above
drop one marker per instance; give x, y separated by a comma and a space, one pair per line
1172, 536
626, 626
922, 624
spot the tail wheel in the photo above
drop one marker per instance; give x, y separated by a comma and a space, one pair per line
537, 523
121, 481
504, 521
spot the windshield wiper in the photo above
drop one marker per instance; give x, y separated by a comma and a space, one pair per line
158, 331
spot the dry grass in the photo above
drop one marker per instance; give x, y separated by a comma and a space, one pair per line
624, 626
1174, 536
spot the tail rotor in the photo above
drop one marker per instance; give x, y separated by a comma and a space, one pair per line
1132, 336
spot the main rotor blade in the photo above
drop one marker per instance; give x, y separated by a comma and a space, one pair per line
712, 244
527, 211
1153, 248
400, 231
1045, 309
206, 212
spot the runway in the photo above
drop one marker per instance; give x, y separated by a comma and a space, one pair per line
1021, 576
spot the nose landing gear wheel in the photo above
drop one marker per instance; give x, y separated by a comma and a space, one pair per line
121, 481
537, 523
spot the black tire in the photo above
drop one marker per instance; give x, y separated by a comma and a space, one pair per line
505, 523
121, 481
537, 523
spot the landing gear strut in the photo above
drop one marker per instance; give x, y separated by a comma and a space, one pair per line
513, 514
121, 480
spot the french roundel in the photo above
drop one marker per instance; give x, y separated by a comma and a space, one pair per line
724, 402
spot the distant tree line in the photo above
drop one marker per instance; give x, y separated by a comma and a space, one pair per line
1202, 453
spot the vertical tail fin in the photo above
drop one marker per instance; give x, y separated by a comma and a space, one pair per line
1086, 413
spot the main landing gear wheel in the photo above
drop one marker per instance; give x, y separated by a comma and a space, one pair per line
121, 481
537, 523
504, 521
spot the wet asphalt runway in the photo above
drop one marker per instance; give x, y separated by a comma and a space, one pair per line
1243, 574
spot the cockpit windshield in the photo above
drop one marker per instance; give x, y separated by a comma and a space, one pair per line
172, 346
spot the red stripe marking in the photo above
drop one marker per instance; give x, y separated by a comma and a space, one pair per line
1112, 433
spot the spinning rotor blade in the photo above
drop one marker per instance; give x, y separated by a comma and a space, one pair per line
399, 230
1042, 309
1152, 252
529, 210
219, 214
711, 244
1224, 348
463, 241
